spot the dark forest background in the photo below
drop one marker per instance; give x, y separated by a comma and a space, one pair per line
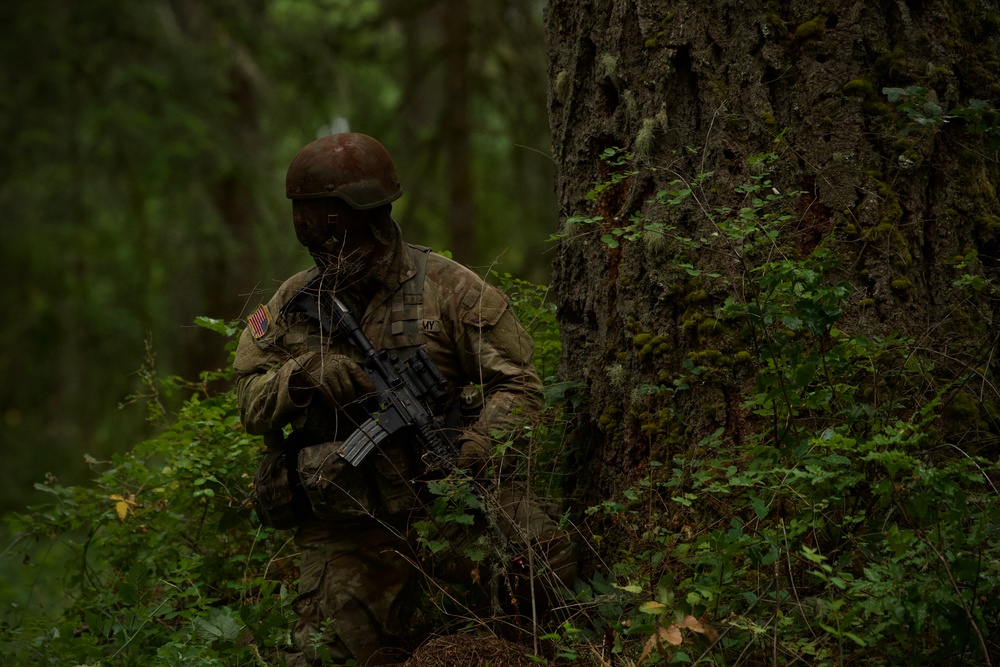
773, 309
144, 147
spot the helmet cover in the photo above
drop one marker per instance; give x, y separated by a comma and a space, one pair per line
350, 166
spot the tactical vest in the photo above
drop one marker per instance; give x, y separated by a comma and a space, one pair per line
335, 491
402, 328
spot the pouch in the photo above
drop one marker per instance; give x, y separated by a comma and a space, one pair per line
337, 491
276, 500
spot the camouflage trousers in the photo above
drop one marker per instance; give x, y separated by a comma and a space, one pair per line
360, 581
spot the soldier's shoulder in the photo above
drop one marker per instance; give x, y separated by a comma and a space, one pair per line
290, 288
265, 323
451, 275
478, 302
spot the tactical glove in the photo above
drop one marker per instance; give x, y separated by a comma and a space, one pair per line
336, 376
474, 453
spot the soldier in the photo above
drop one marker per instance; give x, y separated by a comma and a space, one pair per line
299, 387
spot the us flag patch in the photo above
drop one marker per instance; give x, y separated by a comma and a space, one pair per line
259, 321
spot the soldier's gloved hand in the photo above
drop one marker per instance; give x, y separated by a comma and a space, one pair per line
474, 454
336, 376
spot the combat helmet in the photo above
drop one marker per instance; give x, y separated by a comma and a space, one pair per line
350, 166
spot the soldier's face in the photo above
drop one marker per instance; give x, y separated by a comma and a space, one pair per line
337, 236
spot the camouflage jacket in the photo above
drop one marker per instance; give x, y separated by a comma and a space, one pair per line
464, 324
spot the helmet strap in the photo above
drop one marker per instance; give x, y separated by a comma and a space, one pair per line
385, 230
331, 243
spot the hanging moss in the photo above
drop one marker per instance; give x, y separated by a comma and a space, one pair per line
561, 86
888, 237
988, 222
901, 285
641, 339
705, 357
656, 423
644, 140
658, 347
886, 234
877, 107
810, 29
610, 418
858, 87
690, 320
939, 74
962, 407
891, 64
710, 327
697, 296
980, 184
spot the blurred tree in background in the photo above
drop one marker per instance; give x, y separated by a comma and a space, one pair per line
144, 148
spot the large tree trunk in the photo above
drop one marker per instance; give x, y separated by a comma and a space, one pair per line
688, 88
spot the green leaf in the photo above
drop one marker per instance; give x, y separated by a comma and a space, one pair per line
805, 373
630, 588
220, 626
792, 322
218, 326
760, 508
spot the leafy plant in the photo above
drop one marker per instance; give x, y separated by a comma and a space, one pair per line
159, 560
537, 312
921, 112
845, 527
156, 561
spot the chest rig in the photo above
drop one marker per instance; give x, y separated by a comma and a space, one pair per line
377, 485
403, 323
396, 324
400, 324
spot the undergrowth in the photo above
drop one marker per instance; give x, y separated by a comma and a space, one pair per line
846, 525
159, 560
853, 519
155, 561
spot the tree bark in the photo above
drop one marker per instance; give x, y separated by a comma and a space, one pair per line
688, 88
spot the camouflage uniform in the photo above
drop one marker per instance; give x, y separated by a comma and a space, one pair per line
358, 582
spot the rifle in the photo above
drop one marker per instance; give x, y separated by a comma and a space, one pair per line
407, 393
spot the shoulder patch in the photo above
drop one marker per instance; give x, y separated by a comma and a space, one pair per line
484, 306
259, 321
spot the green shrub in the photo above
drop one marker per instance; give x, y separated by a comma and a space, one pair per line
156, 562
160, 561
842, 526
